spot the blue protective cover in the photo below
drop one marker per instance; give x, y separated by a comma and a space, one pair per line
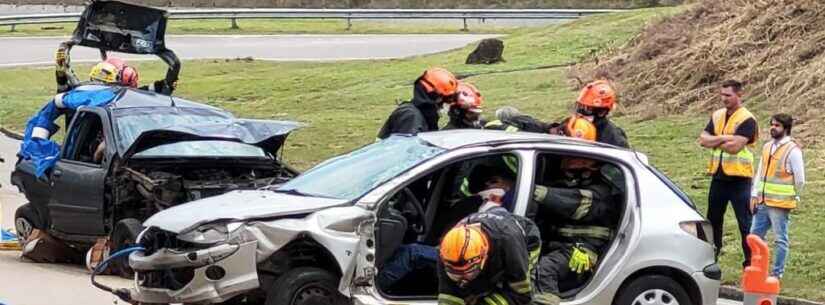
44, 153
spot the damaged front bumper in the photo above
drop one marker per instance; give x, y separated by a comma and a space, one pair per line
213, 275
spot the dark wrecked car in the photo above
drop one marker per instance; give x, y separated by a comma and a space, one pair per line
157, 152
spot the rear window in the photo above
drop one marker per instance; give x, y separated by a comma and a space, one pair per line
670, 184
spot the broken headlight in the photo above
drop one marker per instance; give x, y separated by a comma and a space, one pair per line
209, 234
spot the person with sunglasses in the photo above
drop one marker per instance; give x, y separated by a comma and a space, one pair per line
487, 259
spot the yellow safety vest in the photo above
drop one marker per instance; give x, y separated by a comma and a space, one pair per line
776, 186
740, 164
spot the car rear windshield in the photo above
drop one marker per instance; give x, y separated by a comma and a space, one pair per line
354, 174
670, 184
133, 122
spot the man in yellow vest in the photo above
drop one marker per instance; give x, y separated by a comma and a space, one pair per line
730, 136
776, 189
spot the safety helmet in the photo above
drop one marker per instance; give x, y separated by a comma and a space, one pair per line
464, 251
579, 127
104, 72
598, 94
469, 98
439, 81
127, 75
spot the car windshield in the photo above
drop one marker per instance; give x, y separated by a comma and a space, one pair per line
353, 175
131, 123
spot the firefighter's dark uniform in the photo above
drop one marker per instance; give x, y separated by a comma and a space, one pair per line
519, 123
580, 216
515, 244
418, 115
607, 132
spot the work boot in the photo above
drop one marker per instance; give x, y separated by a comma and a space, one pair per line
43, 248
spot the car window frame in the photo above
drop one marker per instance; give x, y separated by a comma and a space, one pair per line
107, 136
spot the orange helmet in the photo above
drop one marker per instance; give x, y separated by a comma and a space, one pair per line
464, 250
469, 98
598, 94
579, 127
127, 75
439, 81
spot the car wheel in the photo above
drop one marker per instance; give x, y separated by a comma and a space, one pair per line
653, 290
123, 236
305, 286
25, 222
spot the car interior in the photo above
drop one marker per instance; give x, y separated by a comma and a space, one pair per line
84, 138
423, 210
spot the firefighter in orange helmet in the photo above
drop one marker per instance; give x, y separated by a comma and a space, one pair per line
487, 258
434, 88
466, 111
595, 102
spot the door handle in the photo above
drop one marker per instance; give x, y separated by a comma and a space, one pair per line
57, 173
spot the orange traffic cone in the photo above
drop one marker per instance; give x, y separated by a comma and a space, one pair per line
759, 287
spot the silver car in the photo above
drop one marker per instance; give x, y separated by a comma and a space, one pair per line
323, 237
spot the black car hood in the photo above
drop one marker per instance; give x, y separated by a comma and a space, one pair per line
268, 135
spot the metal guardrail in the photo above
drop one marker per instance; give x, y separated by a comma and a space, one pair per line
348, 14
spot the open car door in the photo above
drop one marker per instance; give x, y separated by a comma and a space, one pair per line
126, 28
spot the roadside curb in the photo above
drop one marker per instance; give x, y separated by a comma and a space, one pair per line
11, 134
733, 293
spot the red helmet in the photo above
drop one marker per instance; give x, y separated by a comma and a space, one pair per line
128, 75
439, 81
598, 94
469, 98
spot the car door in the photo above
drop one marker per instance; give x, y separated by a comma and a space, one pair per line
364, 291
77, 202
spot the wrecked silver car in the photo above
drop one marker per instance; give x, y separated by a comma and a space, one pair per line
322, 237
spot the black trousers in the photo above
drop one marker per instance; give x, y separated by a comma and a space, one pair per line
738, 193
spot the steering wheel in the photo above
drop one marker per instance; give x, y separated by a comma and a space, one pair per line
420, 225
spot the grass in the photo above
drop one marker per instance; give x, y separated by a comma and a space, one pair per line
285, 26
345, 104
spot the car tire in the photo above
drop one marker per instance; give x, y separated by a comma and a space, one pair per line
26, 221
123, 236
305, 286
653, 290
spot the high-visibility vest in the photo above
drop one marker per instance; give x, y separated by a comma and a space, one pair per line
740, 164
776, 187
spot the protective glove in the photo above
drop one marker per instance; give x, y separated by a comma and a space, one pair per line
61, 59
579, 260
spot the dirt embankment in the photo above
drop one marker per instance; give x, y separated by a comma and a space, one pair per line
377, 3
675, 65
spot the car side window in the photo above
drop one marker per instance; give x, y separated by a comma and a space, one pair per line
85, 140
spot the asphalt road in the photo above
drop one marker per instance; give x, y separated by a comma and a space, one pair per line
20, 51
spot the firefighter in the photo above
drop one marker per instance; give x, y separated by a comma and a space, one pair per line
111, 71
595, 102
575, 213
431, 91
465, 113
487, 259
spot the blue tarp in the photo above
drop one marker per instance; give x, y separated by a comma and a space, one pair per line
44, 152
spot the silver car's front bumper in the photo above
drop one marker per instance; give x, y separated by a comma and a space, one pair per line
232, 272
708, 287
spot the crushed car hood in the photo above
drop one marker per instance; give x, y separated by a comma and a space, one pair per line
268, 135
236, 206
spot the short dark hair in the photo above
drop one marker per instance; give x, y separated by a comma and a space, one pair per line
785, 119
735, 85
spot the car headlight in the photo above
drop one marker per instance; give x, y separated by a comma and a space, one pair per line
206, 234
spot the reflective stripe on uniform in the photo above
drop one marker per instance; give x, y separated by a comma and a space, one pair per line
496, 299
585, 231
40, 132
522, 287
58, 100
776, 188
540, 193
446, 299
511, 162
740, 164
511, 129
465, 187
584, 205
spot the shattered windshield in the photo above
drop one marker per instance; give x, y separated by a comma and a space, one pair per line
133, 122
353, 175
